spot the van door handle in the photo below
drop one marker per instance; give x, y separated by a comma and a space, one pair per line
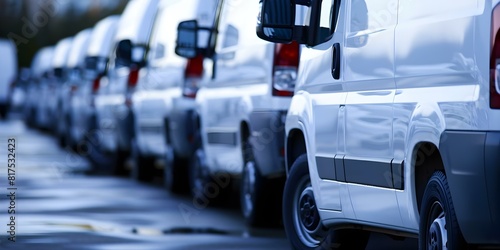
336, 61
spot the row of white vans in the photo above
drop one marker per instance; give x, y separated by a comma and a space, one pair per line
380, 115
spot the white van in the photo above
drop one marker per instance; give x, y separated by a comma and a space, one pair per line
160, 83
82, 106
394, 125
47, 103
72, 76
41, 66
241, 106
113, 101
8, 60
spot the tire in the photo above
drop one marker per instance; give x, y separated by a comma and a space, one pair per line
3, 111
68, 135
175, 173
101, 160
260, 200
198, 174
143, 169
438, 221
120, 160
30, 117
207, 188
60, 130
306, 231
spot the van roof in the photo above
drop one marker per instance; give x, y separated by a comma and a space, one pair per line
79, 48
137, 21
42, 61
102, 37
61, 52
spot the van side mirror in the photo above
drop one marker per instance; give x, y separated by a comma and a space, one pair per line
276, 21
124, 52
187, 39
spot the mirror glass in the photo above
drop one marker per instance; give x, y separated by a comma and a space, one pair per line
138, 53
187, 39
276, 20
124, 53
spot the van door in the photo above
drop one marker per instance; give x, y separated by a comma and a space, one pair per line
242, 68
370, 85
327, 97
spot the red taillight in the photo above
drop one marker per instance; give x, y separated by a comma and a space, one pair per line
133, 77
286, 63
73, 89
192, 76
495, 60
96, 84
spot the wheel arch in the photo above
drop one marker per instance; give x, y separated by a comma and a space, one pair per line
426, 160
295, 147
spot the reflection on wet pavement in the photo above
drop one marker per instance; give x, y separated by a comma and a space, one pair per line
60, 207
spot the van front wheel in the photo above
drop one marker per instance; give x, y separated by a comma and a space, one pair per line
301, 217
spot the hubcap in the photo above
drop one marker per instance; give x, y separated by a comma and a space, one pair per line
198, 173
306, 216
168, 168
437, 235
308, 211
249, 187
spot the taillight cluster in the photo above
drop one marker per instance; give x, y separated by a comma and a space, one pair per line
133, 78
96, 84
495, 60
192, 76
285, 66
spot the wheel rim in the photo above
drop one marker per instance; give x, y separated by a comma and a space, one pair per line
248, 188
306, 215
198, 174
168, 168
437, 235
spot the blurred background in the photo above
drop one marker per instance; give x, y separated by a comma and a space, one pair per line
33, 24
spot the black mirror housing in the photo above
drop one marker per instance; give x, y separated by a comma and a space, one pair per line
276, 21
124, 52
187, 39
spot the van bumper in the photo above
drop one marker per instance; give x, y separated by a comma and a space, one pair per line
267, 130
472, 164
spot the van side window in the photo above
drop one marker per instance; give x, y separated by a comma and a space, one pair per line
381, 14
359, 16
231, 37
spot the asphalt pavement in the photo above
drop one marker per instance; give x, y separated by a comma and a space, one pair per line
49, 201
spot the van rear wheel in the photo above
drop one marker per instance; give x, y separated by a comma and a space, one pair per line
175, 172
439, 227
143, 167
260, 197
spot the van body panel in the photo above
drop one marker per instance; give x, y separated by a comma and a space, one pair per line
238, 93
82, 106
411, 74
